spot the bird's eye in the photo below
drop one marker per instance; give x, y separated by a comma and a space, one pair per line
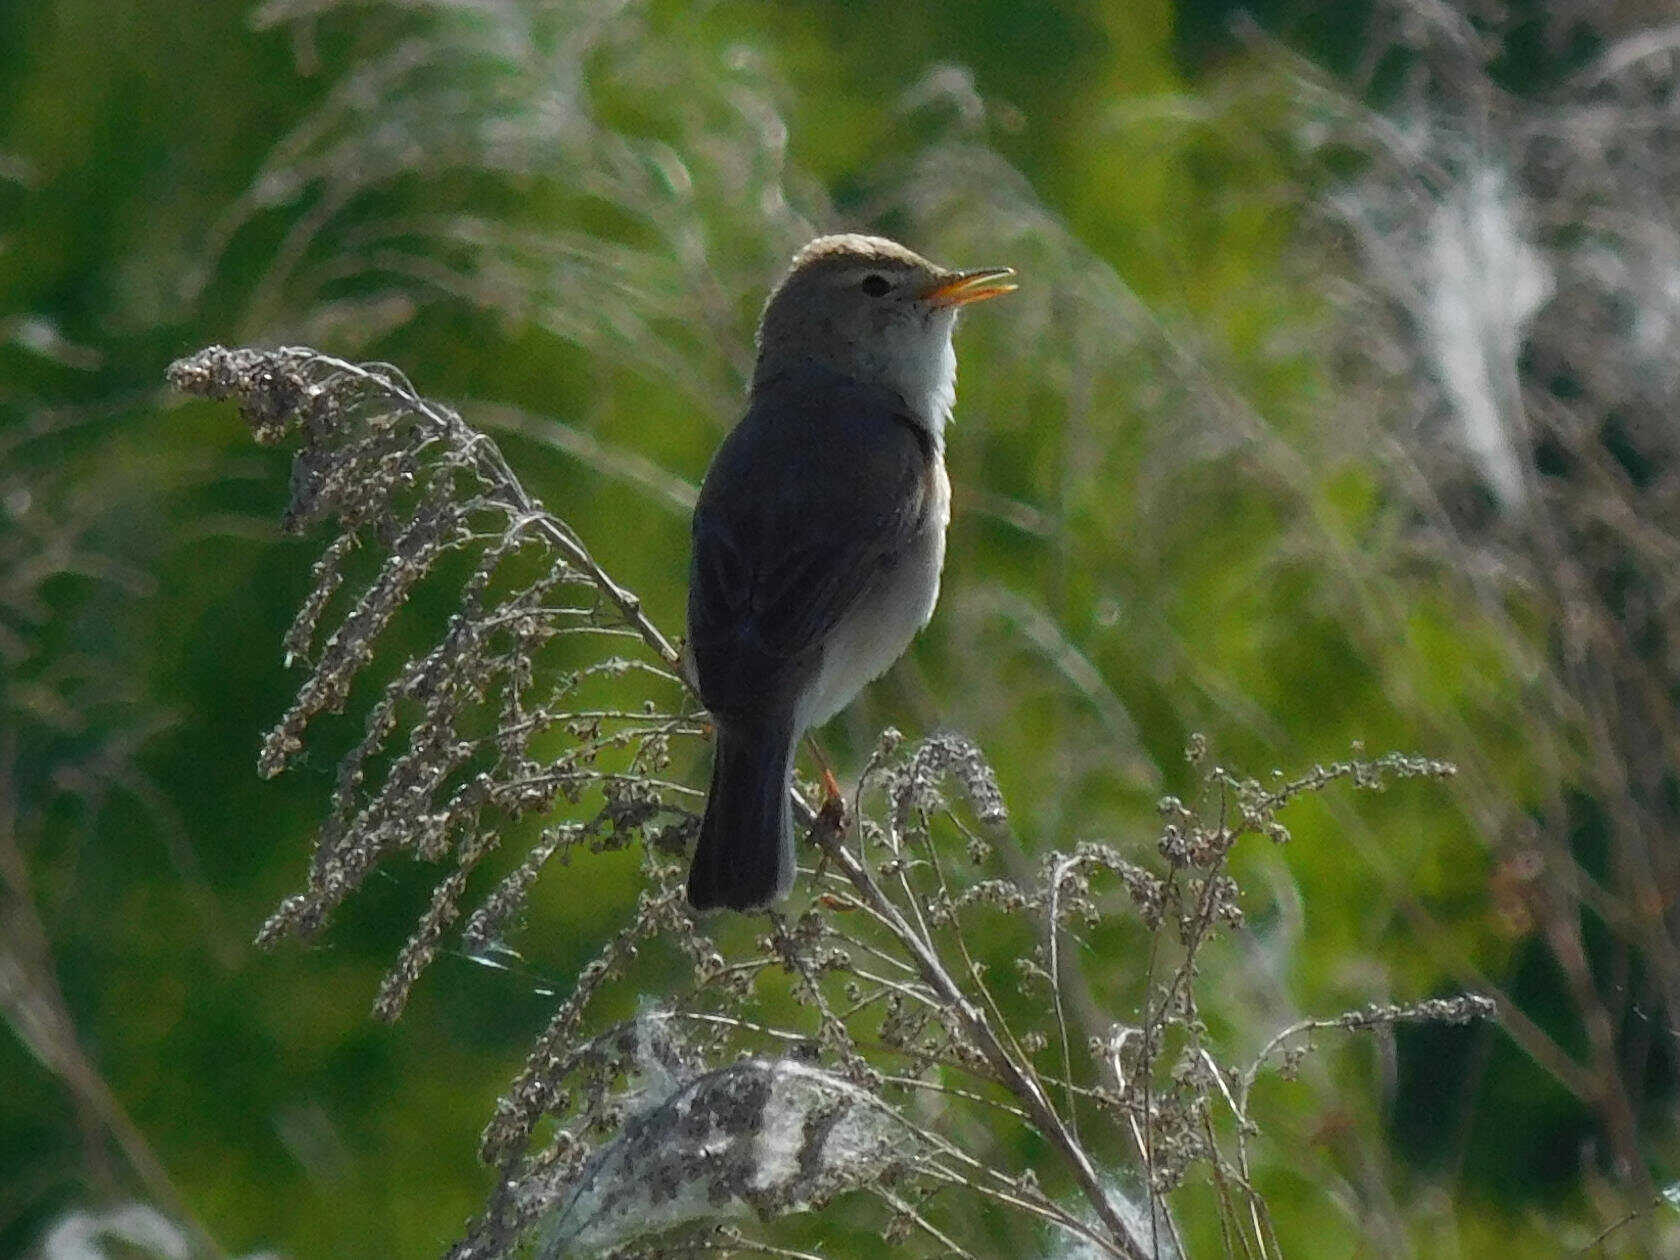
875, 285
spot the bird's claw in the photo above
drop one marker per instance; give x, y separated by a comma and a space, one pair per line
833, 808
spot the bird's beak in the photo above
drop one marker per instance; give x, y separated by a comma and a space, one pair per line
959, 288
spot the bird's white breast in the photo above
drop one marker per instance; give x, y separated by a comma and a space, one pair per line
874, 634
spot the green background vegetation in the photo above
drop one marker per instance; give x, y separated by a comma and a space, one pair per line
1169, 518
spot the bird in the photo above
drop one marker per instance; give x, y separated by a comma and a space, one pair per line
819, 531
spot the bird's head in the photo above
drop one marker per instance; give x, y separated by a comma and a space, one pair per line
870, 309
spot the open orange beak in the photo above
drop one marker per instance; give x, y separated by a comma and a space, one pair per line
962, 287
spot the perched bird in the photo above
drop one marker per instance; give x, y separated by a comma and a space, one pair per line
820, 531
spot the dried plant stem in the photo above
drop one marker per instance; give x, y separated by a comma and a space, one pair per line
505, 487
628, 1111
1010, 1074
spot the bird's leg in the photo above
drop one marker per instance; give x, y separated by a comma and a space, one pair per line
831, 814
830, 785
833, 803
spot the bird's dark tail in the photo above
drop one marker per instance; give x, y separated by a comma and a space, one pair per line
745, 855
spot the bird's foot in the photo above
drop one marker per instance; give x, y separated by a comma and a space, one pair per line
833, 808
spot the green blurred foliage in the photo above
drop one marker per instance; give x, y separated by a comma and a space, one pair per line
1154, 535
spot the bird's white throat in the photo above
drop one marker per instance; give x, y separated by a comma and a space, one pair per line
920, 366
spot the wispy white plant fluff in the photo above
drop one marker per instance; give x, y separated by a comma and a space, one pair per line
1511, 328
1483, 284
756, 1138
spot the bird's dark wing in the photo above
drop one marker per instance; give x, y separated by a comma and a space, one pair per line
812, 496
